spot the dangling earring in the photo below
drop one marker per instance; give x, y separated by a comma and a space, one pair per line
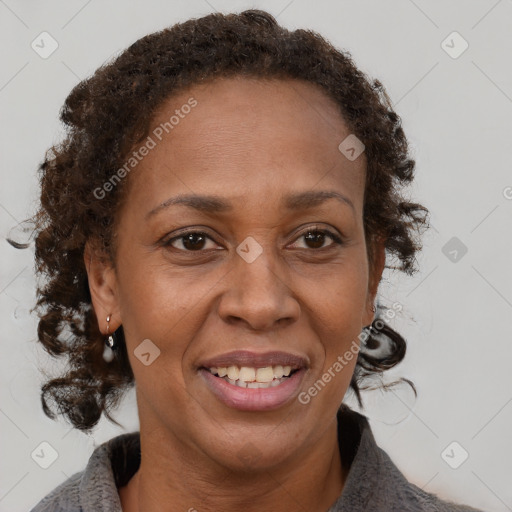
108, 352
368, 329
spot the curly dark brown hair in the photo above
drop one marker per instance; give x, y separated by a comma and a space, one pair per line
107, 114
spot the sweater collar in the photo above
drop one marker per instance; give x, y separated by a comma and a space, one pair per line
360, 453
113, 463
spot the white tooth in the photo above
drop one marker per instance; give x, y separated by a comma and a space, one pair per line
213, 369
264, 385
231, 381
275, 383
247, 374
265, 374
233, 372
287, 370
278, 371
241, 384
222, 372
253, 385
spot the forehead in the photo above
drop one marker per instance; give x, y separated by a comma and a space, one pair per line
247, 137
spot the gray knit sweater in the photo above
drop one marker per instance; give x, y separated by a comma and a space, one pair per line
374, 483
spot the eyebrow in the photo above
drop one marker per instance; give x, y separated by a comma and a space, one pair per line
217, 204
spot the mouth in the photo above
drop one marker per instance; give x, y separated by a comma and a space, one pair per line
248, 381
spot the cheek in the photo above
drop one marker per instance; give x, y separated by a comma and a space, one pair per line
339, 331
338, 322
341, 298
154, 296
158, 307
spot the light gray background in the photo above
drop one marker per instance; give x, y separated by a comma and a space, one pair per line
457, 115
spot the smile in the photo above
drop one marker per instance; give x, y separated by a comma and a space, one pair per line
254, 396
253, 378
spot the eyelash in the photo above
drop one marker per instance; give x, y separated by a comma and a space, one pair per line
336, 239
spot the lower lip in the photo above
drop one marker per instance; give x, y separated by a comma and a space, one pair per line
249, 399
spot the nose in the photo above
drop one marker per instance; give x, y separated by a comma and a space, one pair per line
259, 294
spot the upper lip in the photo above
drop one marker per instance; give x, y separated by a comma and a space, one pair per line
256, 360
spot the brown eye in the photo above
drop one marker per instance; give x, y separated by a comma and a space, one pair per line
315, 238
192, 241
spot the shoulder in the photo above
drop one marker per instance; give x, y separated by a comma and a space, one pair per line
110, 466
399, 491
374, 483
65, 497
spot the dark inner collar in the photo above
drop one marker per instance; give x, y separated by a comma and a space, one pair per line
125, 452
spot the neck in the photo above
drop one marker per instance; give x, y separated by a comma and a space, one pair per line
313, 481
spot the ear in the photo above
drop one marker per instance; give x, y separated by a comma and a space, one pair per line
103, 287
379, 261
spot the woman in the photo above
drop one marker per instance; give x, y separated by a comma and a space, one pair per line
214, 229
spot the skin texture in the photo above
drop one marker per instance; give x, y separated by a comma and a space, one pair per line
252, 142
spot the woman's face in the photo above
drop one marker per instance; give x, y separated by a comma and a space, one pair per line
259, 287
